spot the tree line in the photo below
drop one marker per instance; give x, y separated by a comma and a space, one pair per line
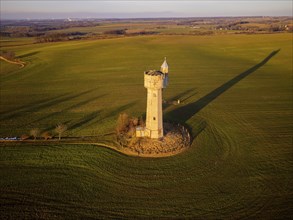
56, 36
35, 133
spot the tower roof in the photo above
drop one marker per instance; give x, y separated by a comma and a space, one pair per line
164, 67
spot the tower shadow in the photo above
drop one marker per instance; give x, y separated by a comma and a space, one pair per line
37, 106
66, 109
97, 116
182, 114
28, 54
181, 96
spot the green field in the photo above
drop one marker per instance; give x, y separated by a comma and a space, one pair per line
236, 93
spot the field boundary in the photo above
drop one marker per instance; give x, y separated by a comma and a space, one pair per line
117, 148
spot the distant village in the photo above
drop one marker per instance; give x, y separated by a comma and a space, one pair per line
52, 30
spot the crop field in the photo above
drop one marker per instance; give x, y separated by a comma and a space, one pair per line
131, 28
236, 100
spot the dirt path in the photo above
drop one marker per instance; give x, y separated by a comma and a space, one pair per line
18, 62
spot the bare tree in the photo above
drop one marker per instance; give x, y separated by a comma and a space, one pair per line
141, 122
35, 132
133, 122
122, 124
60, 129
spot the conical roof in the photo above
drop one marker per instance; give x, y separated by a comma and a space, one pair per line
164, 67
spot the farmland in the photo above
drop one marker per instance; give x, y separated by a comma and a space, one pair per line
236, 99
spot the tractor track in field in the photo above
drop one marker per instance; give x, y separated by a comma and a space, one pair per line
231, 150
55, 206
250, 129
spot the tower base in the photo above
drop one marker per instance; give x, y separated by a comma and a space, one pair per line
176, 139
144, 132
154, 133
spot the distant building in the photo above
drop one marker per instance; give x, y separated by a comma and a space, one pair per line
154, 82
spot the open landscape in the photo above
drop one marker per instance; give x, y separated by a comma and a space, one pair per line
235, 92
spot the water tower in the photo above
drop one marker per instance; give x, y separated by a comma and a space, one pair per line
154, 82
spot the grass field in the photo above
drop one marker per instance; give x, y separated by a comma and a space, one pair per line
236, 93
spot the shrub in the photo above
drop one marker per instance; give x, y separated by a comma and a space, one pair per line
24, 137
46, 135
134, 121
10, 55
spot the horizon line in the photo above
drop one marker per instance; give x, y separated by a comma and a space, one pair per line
163, 17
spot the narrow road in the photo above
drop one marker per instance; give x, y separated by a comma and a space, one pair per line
18, 62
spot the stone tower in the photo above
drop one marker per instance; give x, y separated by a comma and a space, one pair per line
154, 82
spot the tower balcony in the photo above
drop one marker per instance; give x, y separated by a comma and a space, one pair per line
154, 79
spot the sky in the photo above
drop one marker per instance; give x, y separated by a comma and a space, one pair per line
42, 9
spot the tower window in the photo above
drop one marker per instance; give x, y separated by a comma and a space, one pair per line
154, 118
